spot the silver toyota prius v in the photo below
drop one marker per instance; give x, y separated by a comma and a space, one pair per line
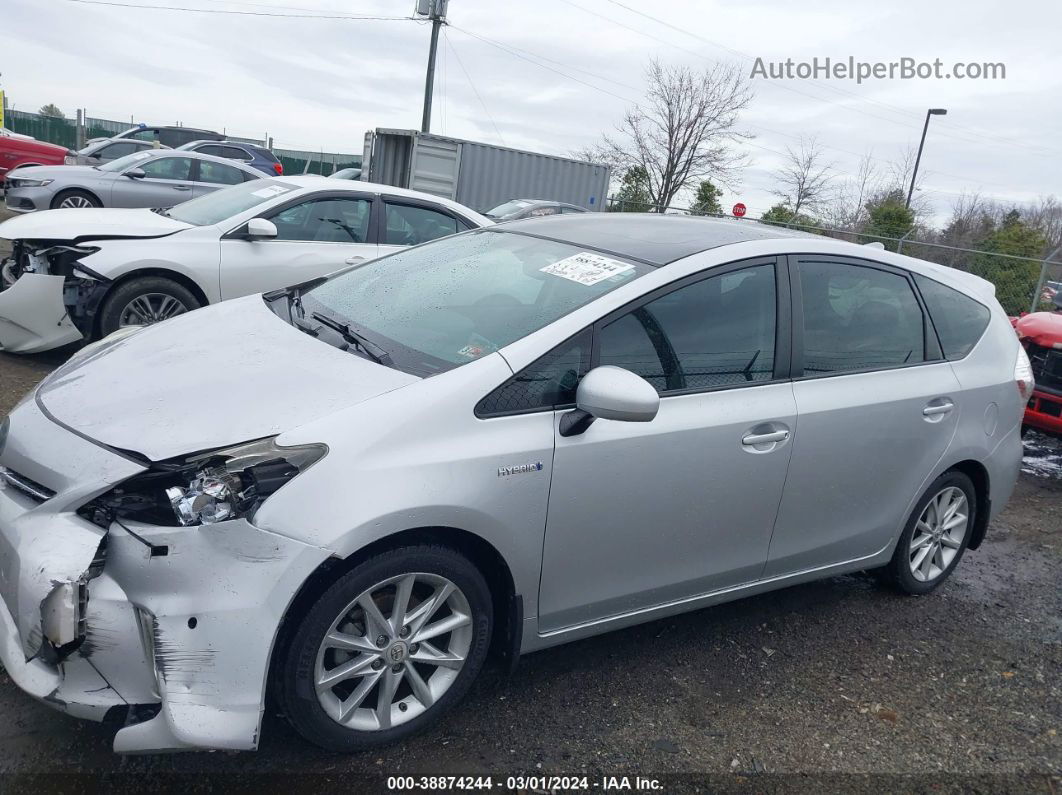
342, 496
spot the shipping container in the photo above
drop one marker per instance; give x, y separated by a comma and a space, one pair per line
478, 175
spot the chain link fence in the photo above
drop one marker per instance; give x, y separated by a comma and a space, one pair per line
1023, 284
66, 132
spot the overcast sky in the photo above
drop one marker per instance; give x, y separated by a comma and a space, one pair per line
561, 73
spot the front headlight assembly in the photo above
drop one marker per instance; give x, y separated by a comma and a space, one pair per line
23, 182
205, 488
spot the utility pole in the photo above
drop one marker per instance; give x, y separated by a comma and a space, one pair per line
918, 157
435, 10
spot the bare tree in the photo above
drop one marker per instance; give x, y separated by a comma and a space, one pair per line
803, 180
848, 209
684, 130
898, 178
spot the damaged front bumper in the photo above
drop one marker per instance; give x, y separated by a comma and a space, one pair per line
46, 299
33, 317
173, 626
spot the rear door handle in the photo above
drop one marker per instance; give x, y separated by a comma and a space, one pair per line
764, 438
937, 407
355, 260
182, 187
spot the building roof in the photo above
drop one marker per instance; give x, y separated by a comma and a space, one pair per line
649, 237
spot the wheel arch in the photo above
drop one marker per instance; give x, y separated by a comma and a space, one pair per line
978, 473
166, 273
507, 604
89, 191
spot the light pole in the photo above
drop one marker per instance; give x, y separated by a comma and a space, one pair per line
918, 158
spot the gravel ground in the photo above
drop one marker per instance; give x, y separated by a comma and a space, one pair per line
836, 685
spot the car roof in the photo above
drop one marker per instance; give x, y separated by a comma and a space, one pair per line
222, 142
652, 238
357, 186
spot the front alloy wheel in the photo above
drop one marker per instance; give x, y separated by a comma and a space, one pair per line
393, 651
387, 649
149, 308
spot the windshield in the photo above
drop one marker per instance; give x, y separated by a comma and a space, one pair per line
449, 302
213, 208
123, 163
508, 208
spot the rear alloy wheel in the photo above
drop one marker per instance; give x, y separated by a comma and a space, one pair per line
144, 301
75, 200
387, 649
936, 535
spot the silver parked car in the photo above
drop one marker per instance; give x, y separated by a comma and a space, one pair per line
108, 149
153, 178
348, 492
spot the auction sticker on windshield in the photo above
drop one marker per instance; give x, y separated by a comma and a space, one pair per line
269, 192
586, 268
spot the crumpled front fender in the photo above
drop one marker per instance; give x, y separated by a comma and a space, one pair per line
33, 317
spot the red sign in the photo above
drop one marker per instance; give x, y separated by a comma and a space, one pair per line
739, 210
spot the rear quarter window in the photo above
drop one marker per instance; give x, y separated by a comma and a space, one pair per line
959, 320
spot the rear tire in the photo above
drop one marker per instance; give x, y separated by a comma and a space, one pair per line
144, 301
349, 683
935, 537
74, 199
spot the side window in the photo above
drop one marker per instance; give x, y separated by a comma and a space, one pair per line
858, 318
116, 150
325, 221
231, 152
545, 384
175, 168
219, 173
570, 210
960, 320
714, 332
549, 209
143, 135
409, 226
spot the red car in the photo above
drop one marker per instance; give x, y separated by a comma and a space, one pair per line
1041, 334
21, 150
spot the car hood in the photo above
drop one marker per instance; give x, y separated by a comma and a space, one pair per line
218, 376
55, 172
89, 224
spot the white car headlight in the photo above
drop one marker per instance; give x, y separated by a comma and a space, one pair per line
22, 182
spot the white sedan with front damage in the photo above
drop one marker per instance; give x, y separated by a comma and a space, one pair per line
82, 274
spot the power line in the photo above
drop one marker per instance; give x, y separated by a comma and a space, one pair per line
468, 77
522, 57
140, 6
957, 135
510, 49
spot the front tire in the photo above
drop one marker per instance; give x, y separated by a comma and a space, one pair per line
387, 649
144, 301
75, 200
936, 535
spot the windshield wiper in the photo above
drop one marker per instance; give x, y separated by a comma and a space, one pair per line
367, 346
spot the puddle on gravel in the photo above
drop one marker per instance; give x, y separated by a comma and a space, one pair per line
1043, 456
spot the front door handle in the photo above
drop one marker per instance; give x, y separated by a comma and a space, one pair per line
182, 187
764, 438
355, 260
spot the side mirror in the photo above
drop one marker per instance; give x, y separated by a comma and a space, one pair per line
610, 393
261, 229
135, 173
